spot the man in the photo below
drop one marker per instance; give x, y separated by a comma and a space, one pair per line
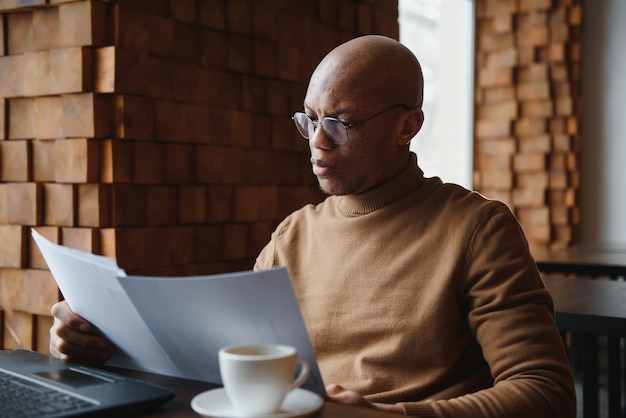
420, 297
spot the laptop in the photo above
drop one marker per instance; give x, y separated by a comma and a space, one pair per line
37, 385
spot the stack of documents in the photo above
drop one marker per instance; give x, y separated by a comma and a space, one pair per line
176, 325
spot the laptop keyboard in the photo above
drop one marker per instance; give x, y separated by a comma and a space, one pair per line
23, 398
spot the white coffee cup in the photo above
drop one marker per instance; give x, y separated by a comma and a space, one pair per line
257, 378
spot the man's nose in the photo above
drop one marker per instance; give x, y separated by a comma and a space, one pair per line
320, 139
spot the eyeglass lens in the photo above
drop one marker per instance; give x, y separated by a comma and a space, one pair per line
333, 128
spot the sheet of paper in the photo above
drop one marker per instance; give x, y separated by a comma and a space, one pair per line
176, 325
193, 317
90, 285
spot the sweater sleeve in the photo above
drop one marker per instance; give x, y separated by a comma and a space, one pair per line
511, 315
267, 257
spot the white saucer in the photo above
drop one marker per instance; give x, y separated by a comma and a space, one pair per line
215, 404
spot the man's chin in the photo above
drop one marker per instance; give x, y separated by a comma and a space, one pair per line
332, 189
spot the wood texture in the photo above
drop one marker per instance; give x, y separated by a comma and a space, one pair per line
76, 160
140, 129
526, 112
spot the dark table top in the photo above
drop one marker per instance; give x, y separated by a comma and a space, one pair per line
594, 306
583, 261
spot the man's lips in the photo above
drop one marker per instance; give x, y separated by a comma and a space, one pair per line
320, 167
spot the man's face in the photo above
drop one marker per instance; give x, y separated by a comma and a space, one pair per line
369, 157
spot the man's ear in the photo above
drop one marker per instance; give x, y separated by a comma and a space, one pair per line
412, 125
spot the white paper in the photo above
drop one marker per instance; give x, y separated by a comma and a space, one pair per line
176, 325
91, 287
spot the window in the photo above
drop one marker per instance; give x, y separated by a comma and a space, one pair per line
603, 190
428, 28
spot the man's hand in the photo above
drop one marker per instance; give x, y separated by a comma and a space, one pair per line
340, 395
72, 338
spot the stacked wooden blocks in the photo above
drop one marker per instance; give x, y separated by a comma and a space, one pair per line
527, 108
156, 132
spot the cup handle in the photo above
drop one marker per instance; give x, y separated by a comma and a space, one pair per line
305, 370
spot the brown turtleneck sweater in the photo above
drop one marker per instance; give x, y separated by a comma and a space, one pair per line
423, 293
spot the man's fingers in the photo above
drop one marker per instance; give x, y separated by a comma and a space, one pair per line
334, 389
63, 312
71, 338
338, 394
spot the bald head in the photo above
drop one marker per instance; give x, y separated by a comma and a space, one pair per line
374, 85
372, 68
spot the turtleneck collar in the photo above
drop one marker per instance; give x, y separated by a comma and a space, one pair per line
406, 181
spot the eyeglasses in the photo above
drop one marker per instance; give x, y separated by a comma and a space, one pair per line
334, 128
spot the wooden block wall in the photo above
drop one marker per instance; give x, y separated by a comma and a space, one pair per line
527, 113
156, 132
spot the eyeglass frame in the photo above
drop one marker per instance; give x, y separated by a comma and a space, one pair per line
346, 126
